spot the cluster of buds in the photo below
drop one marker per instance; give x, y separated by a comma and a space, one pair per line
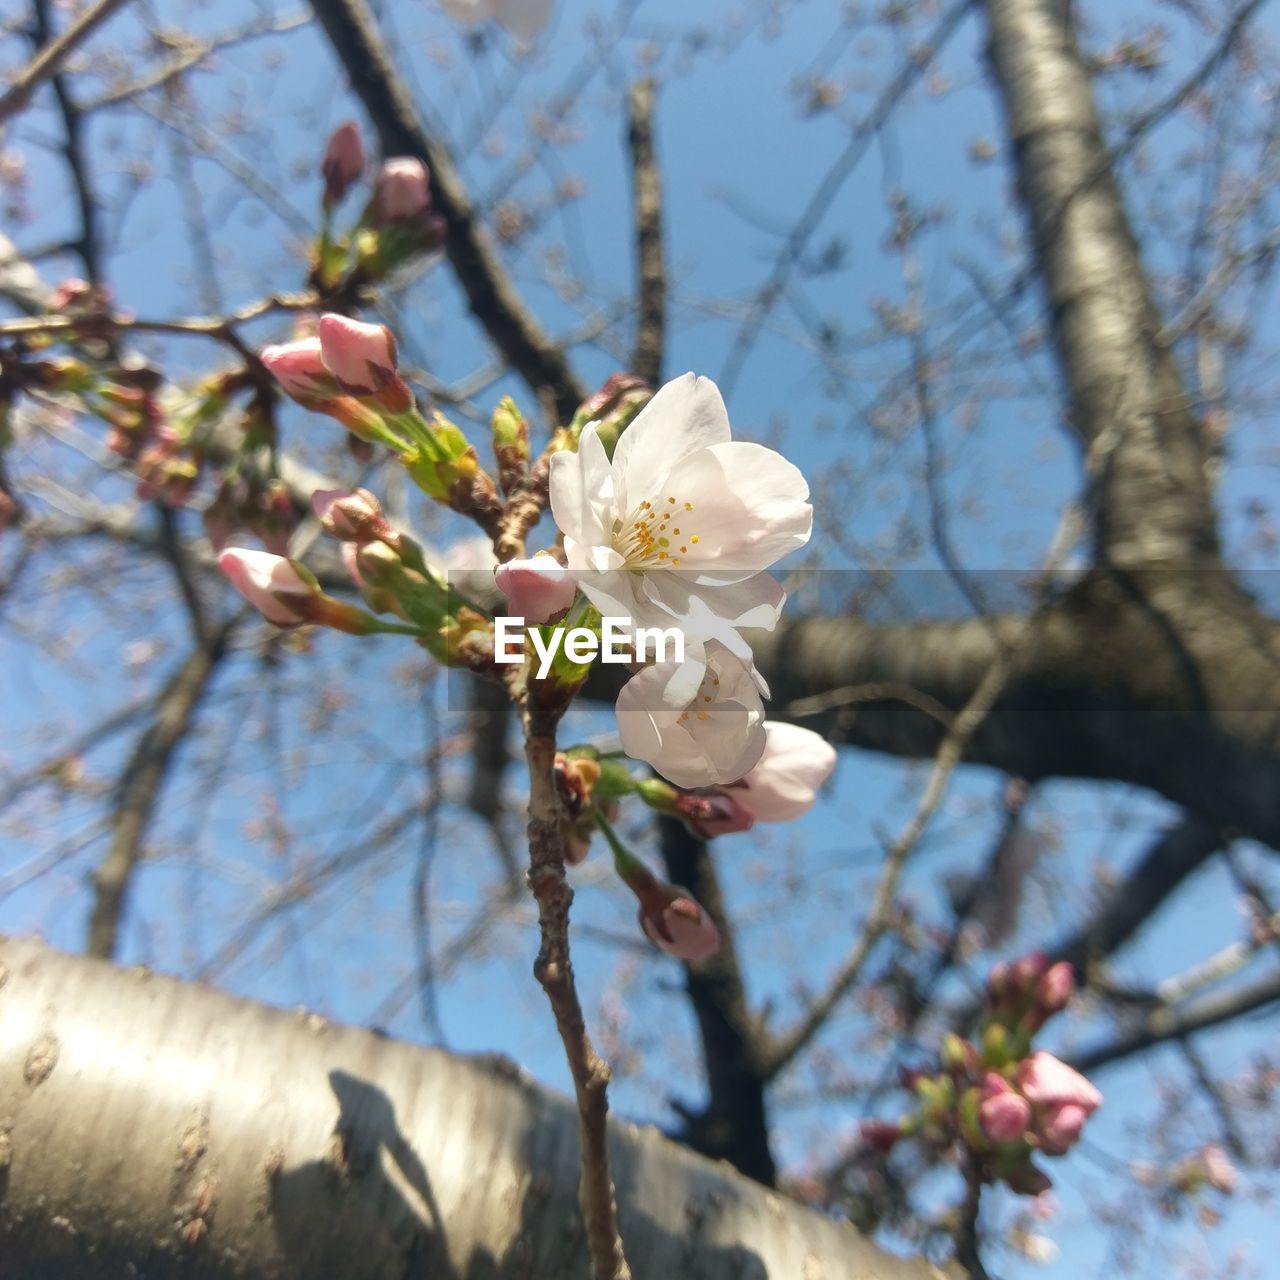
161, 435
348, 370
396, 224
389, 570
996, 1098
263, 507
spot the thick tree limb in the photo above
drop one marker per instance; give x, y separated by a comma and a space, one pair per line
1145, 453
354, 36
1164, 680
167, 1129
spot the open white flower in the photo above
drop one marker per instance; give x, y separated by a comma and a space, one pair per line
681, 525
708, 739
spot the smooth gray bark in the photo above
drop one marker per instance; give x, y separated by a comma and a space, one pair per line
150, 1127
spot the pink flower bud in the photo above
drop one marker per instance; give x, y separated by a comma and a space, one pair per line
270, 583
537, 589
784, 782
681, 929
1003, 1114
351, 515
998, 982
879, 1135
361, 356
299, 369
1055, 989
1045, 1081
1028, 971
401, 190
1060, 1126
343, 161
71, 292
716, 814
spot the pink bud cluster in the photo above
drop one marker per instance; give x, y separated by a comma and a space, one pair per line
997, 1097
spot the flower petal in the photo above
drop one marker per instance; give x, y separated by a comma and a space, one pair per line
740, 508
686, 415
581, 491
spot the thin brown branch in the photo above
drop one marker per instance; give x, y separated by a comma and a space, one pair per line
879, 918
1161, 1025
73, 127
52, 55
554, 972
651, 269
141, 785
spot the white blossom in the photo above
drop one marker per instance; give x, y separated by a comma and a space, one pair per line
681, 524
708, 737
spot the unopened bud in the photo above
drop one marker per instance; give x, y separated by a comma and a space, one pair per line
361, 356
716, 813
1056, 987
402, 191
351, 515
879, 1135
538, 589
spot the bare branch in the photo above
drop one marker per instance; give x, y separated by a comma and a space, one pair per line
1163, 1024
140, 787
53, 54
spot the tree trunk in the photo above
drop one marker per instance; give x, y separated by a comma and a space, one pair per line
154, 1128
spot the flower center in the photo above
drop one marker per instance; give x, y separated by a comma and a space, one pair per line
707, 693
656, 534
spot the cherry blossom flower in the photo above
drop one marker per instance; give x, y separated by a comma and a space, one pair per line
709, 737
1055, 989
784, 782
537, 589
269, 583
681, 524
525, 19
